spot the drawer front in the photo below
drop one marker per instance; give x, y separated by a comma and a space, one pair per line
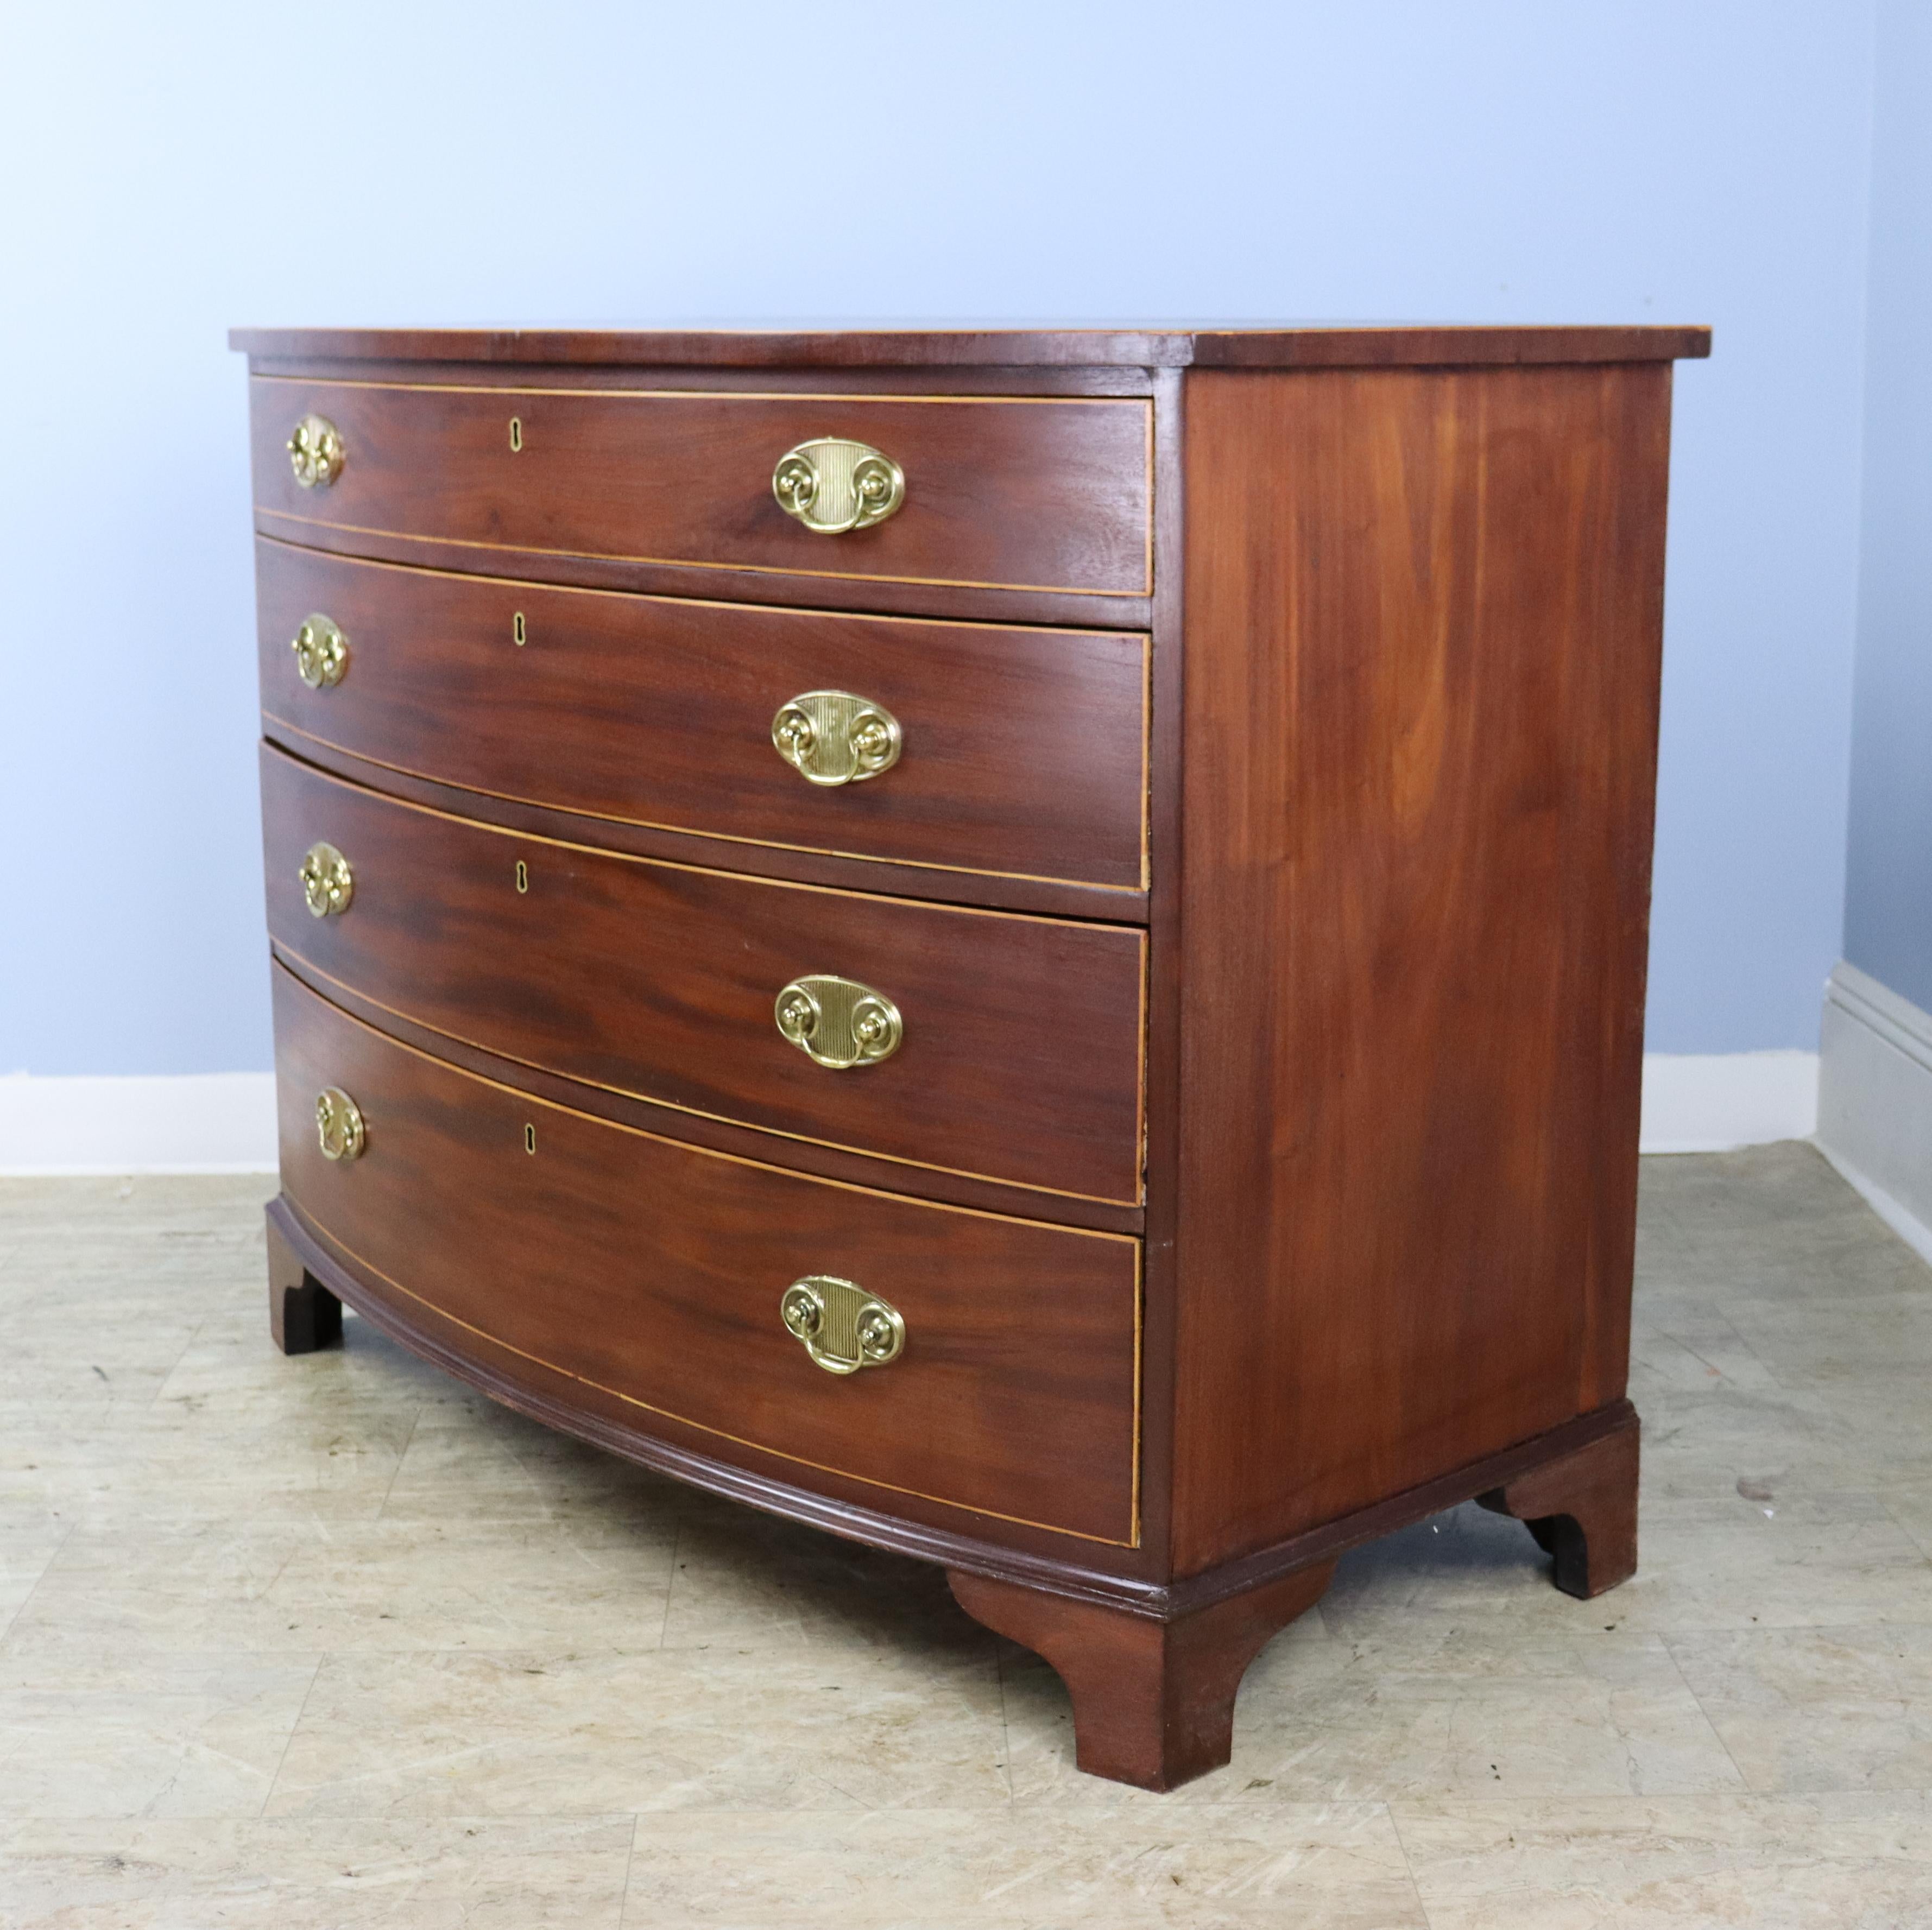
655, 1271
1021, 751
1010, 494
1020, 1056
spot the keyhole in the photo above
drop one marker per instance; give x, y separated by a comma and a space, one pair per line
529, 1139
517, 634
516, 433
523, 876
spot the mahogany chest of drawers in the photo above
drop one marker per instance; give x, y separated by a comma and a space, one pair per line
1028, 947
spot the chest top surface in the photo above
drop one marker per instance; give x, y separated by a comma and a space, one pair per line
1364, 345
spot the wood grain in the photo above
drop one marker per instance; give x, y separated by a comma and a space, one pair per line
1017, 492
1022, 1057
1024, 749
1423, 617
653, 1271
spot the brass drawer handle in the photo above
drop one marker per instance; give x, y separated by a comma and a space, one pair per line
831, 737
315, 453
327, 882
321, 652
832, 486
838, 1022
842, 1327
338, 1124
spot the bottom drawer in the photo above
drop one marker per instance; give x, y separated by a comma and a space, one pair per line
656, 1270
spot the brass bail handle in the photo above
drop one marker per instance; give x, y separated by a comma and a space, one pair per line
338, 1124
841, 1326
831, 738
838, 1023
322, 652
834, 487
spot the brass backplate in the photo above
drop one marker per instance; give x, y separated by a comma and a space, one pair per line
831, 737
834, 487
842, 1327
838, 1022
327, 882
321, 652
316, 452
338, 1124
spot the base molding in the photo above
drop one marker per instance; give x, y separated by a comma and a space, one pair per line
1875, 1099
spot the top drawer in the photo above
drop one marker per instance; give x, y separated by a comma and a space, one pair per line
1005, 493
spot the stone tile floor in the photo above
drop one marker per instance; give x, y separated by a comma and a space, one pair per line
330, 1642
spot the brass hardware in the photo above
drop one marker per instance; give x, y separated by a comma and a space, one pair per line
842, 1327
315, 453
321, 652
832, 486
523, 876
338, 1124
327, 882
838, 1022
831, 737
529, 1139
516, 433
517, 634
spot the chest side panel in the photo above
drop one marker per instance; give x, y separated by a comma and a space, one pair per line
1423, 617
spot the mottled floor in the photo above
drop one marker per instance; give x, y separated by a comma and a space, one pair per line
328, 1642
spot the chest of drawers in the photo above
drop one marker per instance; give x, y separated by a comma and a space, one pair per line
1028, 947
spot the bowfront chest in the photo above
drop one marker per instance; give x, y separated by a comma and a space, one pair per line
1028, 947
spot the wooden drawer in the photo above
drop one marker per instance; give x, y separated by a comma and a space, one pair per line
1021, 1058
1023, 750
654, 1271
1009, 493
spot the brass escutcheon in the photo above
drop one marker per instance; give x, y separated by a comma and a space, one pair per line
838, 1022
831, 737
833, 487
327, 882
338, 1124
842, 1327
321, 652
315, 453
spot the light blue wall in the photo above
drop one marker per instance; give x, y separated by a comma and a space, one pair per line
171, 170
1889, 885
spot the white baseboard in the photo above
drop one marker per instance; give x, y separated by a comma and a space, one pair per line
225, 1121
201, 1123
1875, 1100
1714, 1102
